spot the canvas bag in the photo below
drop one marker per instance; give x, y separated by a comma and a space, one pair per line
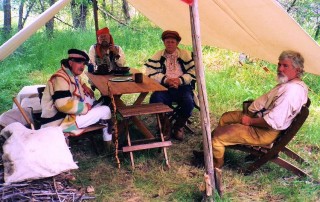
34, 154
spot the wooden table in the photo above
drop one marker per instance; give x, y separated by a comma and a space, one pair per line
117, 89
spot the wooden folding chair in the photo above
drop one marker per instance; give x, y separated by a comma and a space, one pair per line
271, 152
176, 108
174, 115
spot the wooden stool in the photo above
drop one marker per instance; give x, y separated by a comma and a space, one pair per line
128, 112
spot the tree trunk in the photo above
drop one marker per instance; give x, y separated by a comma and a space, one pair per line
22, 20
112, 6
79, 15
317, 34
50, 23
125, 9
104, 6
291, 6
7, 18
74, 14
20, 25
83, 16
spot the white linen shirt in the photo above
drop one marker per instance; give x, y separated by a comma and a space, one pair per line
282, 103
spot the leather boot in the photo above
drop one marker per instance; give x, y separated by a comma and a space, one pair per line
166, 126
178, 134
178, 131
218, 180
218, 162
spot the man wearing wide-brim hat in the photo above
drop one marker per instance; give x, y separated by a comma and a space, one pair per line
173, 68
67, 101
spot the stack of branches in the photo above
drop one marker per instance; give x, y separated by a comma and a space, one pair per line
57, 188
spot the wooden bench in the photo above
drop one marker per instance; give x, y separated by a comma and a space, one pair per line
129, 112
88, 132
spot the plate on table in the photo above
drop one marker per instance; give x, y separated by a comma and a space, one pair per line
121, 79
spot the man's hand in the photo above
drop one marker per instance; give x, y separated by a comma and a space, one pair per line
246, 120
173, 82
89, 107
113, 49
258, 122
87, 91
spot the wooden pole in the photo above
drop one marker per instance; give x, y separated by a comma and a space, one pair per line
23, 113
203, 99
95, 16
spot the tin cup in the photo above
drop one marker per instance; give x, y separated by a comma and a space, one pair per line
245, 106
138, 77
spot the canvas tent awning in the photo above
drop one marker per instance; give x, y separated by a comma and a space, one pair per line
259, 28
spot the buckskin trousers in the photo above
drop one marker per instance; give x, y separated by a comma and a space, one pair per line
230, 131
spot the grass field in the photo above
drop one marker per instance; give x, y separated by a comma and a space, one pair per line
227, 84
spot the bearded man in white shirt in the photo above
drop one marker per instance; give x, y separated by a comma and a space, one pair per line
268, 115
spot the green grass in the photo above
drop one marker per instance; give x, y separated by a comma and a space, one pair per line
227, 84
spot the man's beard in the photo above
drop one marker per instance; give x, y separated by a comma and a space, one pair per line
105, 44
281, 78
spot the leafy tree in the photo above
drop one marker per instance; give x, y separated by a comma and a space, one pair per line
306, 13
7, 17
79, 12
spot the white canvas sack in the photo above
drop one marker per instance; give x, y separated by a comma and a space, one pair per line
34, 154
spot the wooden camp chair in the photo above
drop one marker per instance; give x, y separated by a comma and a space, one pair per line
88, 132
174, 115
271, 152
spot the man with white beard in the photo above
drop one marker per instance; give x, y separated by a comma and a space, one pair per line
268, 115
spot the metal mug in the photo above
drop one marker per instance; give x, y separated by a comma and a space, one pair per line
138, 77
245, 106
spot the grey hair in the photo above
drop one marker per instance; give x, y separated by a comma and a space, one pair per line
296, 58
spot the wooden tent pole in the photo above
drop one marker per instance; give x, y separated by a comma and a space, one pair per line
203, 99
95, 16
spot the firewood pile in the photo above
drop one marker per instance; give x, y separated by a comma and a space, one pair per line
57, 188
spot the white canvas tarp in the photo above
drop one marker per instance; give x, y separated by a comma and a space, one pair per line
259, 28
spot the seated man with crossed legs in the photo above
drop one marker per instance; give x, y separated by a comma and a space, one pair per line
268, 115
67, 101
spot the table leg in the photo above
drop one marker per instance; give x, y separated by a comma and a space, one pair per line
162, 139
140, 98
129, 143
